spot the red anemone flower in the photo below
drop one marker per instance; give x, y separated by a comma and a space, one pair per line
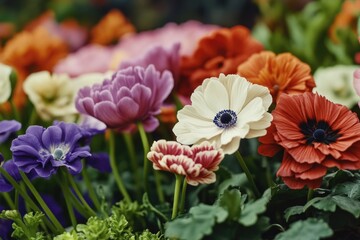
315, 135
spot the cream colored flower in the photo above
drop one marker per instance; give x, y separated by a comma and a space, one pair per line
5, 84
336, 84
54, 95
223, 111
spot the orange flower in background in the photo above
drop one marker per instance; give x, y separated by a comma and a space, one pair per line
111, 28
283, 73
346, 18
315, 135
30, 52
220, 52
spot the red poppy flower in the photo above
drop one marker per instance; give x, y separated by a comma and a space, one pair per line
315, 135
220, 52
197, 163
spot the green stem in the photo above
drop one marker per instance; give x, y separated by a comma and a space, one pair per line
26, 197
9, 201
114, 168
247, 173
158, 186
33, 117
15, 111
43, 205
310, 194
70, 209
90, 188
176, 196
177, 101
133, 161
183, 196
78, 193
146, 148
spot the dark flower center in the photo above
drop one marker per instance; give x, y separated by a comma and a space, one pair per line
58, 154
225, 118
318, 132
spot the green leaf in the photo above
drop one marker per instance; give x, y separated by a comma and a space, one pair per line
348, 204
291, 211
255, 231
350, 189
250, 211
209, 211
199, 224
235, 181
326, 204
232, 202
309, 229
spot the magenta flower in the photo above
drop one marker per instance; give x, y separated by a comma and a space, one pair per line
44, 150
132, 95
197, 163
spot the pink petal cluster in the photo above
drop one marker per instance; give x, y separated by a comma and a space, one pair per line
196, 163
357, 82
132, 95
88, 59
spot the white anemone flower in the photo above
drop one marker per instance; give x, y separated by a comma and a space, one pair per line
223, 111
53, 96
5, 83
336, 84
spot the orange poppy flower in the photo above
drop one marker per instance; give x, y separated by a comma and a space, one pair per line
30, 52
111, 28
346, 18
283, 73
220, 52
315, 135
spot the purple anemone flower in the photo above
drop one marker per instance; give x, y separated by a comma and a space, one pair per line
44, 150
132, 95
7, 127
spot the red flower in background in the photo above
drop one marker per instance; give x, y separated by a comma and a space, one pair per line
220, 52
315, 135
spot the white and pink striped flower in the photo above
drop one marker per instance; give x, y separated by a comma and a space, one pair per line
196, 163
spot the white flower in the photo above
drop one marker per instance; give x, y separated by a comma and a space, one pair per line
223, 111
54, 95
5, 84
336, 84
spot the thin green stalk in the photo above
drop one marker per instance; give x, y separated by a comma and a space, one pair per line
133, 161
26, 197
176, 196
247, 173
15, 111
159, 190
183, 196
114, 168
42, 203
79, 194
33, 117
310, 194
70, 209
90, 188
146, 148
9, 201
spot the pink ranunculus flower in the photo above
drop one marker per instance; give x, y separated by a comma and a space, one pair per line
131, 95
88, 59
356, 82
196, 163
162, 58
187, 34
